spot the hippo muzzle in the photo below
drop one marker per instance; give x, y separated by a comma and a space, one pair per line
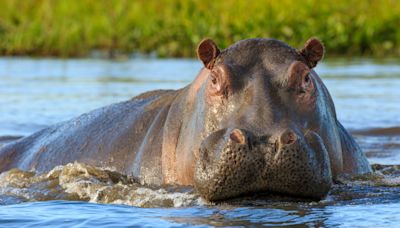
236, 162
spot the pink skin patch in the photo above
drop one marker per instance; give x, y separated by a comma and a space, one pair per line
238, 136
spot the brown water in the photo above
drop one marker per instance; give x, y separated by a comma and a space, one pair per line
35, 93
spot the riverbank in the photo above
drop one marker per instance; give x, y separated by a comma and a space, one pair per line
173, 28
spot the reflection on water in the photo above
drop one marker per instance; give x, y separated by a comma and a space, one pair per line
35, 93
381, 149
69, 213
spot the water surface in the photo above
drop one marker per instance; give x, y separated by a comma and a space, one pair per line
35, 93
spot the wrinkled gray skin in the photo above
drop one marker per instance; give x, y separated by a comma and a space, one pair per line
256, 119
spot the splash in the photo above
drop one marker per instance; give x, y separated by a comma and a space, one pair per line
76, 181
80, 182
383, 176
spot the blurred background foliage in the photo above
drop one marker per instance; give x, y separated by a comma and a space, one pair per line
173, 28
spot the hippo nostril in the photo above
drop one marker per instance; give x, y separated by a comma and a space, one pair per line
238, 136
288, 137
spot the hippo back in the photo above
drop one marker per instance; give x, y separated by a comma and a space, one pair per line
114, 136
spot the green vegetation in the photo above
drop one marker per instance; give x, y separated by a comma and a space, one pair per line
174, 27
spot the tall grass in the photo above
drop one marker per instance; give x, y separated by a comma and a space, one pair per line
174, 27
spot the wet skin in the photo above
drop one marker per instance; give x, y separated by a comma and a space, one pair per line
257, 118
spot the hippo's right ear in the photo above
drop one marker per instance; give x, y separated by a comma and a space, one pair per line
207, 51
313, 51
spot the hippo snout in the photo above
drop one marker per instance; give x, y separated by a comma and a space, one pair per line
299, 166
228, 165
234, 162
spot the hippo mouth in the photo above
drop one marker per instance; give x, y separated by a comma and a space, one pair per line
232, 163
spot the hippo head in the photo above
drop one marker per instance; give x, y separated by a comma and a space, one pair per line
267, 121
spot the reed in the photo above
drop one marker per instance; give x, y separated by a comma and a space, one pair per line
173, 28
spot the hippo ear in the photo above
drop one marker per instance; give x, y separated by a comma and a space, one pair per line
207, 51
313, 51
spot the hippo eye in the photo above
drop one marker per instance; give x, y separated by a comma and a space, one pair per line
216, 85
218, 81
306, 82
307, 79
213, 79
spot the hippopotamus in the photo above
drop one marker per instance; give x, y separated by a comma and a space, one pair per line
256, 119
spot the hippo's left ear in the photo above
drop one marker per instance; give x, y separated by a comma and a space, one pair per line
313, 51
207, 51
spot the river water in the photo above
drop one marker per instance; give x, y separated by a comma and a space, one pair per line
35, 93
